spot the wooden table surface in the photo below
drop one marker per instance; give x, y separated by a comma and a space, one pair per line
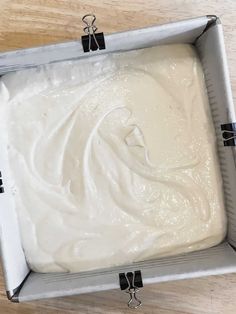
26, 23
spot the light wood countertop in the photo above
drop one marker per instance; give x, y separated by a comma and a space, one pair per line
27, 23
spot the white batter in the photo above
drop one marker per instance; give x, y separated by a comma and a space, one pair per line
113, 159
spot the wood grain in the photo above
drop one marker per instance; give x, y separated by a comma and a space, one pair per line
27, 23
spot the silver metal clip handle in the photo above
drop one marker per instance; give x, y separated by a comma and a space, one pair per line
133, 302
232, 133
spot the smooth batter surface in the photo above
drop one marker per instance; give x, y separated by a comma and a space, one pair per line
113, 159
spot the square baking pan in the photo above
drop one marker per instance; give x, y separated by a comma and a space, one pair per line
205, 33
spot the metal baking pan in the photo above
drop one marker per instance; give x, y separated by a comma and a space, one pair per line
205, 33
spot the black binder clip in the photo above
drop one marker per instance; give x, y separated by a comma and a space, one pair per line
131, 282
92, 41
229, 134
1, 184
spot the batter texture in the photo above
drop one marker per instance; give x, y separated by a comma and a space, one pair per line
112, 159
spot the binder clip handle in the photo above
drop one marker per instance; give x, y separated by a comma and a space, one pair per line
89, 20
